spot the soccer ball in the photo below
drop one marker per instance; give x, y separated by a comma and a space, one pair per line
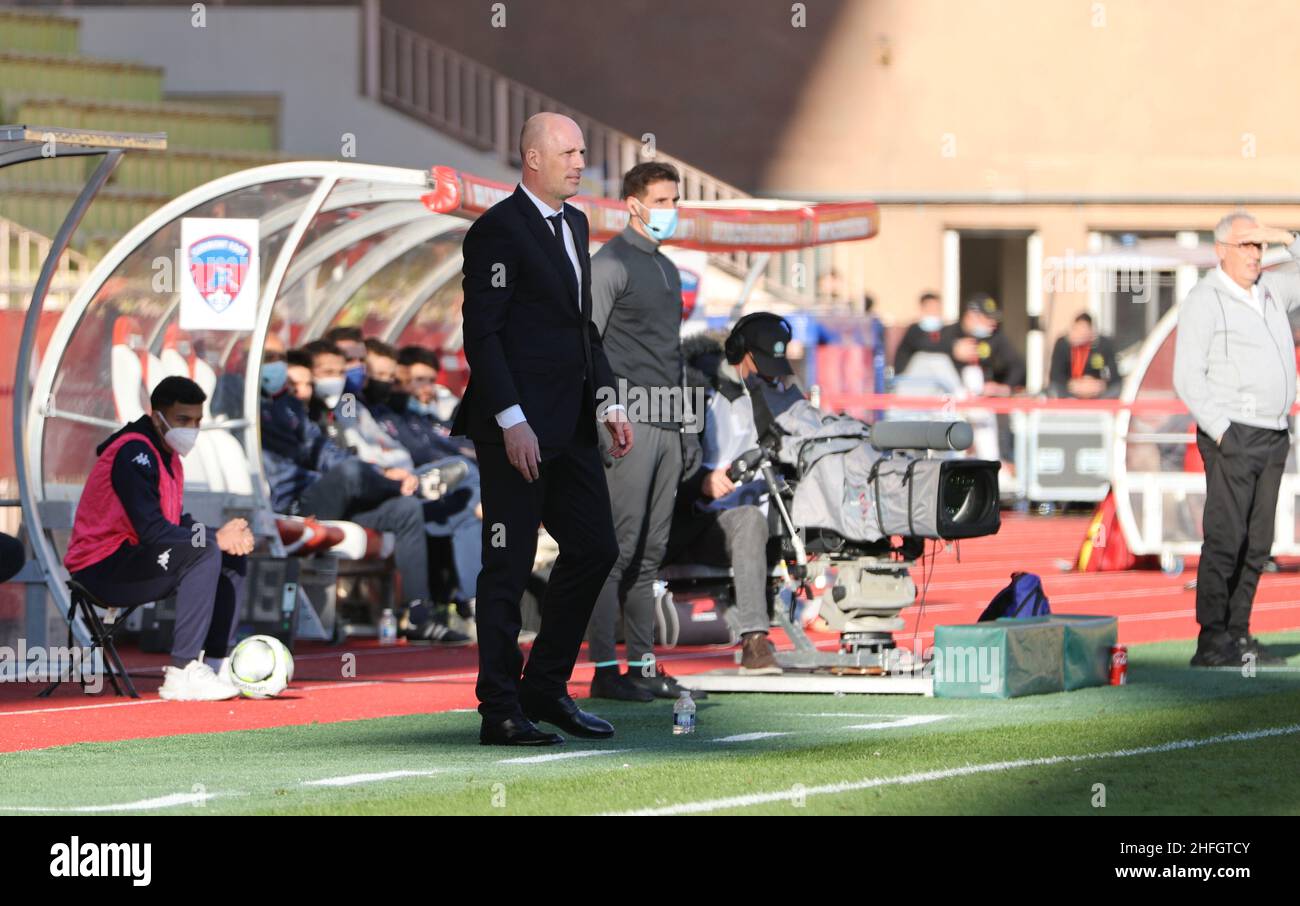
261, 666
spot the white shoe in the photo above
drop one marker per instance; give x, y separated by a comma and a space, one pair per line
195, 682
224, 675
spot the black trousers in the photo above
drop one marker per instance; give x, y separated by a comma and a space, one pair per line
209, 586
1242, 477
571, 498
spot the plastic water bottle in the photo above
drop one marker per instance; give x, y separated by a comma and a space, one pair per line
684, 715
387, 627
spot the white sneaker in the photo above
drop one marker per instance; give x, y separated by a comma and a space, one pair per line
195, 682
224, 675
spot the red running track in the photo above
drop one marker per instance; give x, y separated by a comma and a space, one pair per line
362, 680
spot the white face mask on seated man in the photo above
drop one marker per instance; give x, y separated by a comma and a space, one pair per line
182, 440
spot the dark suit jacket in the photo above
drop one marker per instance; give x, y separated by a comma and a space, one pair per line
527, 340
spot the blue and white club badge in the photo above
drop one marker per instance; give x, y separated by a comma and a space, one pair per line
219, 273
219, 265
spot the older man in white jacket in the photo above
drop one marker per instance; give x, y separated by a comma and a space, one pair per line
1235, 368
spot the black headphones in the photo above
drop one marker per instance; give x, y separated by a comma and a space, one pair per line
735, 347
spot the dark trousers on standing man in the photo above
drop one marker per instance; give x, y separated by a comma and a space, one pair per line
1242, 477
571, 498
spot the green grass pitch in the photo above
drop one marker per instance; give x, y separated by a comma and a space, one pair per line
1174, 741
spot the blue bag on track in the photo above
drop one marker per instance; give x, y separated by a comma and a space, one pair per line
1024, 597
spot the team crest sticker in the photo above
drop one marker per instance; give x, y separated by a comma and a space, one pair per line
219, 265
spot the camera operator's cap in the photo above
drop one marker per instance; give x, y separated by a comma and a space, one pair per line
985, 305
767, 337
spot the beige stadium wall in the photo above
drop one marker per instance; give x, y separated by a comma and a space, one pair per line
1114, 96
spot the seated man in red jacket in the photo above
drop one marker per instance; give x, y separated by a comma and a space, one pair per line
132, 544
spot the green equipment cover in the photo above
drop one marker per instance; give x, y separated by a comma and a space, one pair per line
1009, 657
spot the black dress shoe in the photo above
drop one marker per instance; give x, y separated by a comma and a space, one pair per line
564, 713
515, 731
661, 685
609, 683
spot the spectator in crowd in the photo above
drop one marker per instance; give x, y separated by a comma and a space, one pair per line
355, 413
1083, 363
351, 342
421, 429
924, 335
328, 382
989, 365
298, 374
830, 288
433, 399
976, 341
131, 543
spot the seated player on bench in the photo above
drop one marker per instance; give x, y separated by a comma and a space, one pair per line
310, 475
131, 543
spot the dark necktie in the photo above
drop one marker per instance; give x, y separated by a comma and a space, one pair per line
557, 225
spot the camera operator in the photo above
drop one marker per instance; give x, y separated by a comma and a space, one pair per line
712, 522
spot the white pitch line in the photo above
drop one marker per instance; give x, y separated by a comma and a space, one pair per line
834, 714
354, 779
713, 805
750, 737
914, 720
143, 701
170, 801
559, 756
333, 686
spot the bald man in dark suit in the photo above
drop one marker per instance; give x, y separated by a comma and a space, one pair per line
537, 370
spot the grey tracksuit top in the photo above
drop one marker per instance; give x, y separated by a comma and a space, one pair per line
636, 296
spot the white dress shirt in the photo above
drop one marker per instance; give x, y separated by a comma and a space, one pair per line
569, 246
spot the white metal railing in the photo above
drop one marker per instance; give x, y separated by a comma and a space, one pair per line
22, 252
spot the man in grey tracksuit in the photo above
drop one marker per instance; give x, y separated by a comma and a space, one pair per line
1235, 368
637, 306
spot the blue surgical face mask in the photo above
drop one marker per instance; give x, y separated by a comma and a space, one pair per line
661, 224
274, 377
930, 324
355, 378
415, 407
981, 333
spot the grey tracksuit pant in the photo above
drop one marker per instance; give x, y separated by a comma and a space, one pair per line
642, 488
